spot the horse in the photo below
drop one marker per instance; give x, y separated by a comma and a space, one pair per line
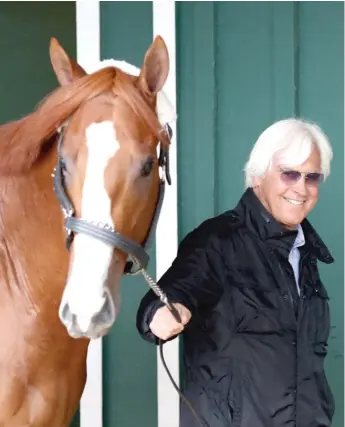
80, 191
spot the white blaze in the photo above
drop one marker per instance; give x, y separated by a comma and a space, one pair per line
85, 288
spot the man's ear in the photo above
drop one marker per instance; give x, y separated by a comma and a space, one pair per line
66, 69
256, 180
155, 69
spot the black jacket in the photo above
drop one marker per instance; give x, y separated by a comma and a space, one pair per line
254, 349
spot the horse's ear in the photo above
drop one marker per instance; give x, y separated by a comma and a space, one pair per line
155, 69
66, 70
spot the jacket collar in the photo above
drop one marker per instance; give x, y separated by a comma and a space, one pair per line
256, 217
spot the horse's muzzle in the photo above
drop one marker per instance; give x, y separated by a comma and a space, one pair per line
89, 326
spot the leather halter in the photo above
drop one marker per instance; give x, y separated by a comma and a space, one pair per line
138, 257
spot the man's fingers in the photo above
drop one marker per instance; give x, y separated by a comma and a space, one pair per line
164, 325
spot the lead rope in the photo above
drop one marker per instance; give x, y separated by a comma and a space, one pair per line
163, 297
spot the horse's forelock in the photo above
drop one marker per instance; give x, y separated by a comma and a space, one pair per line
21, 142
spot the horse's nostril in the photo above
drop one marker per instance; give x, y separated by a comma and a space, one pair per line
106, 314
66, 314
69, 320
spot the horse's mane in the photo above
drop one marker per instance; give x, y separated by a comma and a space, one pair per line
21, 141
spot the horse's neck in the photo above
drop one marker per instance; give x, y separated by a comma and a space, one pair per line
34, 259
42, 369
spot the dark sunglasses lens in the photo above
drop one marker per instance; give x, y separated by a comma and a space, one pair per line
314, 178
290, 177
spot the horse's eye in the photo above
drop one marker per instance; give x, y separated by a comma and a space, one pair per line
146, 167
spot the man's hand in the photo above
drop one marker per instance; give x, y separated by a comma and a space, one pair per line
164, 325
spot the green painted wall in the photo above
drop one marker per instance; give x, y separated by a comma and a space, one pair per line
321, 97
25, 70
130, 388
240, 67
26, 75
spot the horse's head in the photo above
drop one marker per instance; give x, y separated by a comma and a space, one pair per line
109, 171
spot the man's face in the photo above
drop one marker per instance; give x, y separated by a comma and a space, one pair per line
289, 193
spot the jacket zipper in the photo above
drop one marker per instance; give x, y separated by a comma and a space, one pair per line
288, 290
301, 293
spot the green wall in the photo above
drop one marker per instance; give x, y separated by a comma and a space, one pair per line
321, 97
25, 70
241, 66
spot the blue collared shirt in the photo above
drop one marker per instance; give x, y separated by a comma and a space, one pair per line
294, 255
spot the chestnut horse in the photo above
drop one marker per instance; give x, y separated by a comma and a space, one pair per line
101, 132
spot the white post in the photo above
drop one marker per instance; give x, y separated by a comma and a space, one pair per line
88, 53
167, 231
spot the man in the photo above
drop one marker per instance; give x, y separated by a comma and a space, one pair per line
255, 313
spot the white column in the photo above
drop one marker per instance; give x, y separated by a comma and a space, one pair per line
167, 231
88, 53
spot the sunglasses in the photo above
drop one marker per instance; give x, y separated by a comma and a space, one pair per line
290, 177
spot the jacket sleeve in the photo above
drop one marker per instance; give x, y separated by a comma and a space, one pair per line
195, 279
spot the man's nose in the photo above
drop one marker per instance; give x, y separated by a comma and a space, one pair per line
301, 186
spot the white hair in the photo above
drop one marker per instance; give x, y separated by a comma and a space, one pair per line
293, 139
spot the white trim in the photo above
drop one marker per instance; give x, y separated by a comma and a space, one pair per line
167, 229
88, 53
88, 32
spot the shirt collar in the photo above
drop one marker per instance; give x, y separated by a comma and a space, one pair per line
300, 239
